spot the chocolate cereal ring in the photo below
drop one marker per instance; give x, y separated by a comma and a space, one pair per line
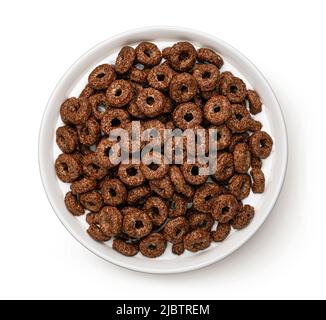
258, 180
255, 104
91, 201
73, 205
119, 93
187, 115
92, 218
99, 104
179, 182
125, 60
224, 166
206, 55
136, 223
114, 192
239, 186
240, 120
202, 221
89, 133
242, 158
157, 210
183, 87
113, 119
234, 89
176, 229
131, 174
127, 249
222, 138
225, 208
66, 138
260, 144
110, 221
204, 197
243, 217
207, 76
192, 173
101, 77
150, 102
182, 56
83, 185
178, 248
139, 75
177, 206
138, 195
160, 77
154, 166
68, 169
153, 245
256, 162
238, 138
197, 240
75, 111
97, 234
217, 110
105, 152
221, 233
91, 169
163, 187
148, 54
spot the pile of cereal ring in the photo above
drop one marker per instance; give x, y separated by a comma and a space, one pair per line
145, 206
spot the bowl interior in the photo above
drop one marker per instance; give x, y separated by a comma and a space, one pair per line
75, 80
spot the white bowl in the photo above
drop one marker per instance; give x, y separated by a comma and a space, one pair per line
271, 117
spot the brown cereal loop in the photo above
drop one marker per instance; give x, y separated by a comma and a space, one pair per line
187, 115
234, 89
192, 173
136, 223
138, 195
224, 166
68, 169
217, 110
240, 120
242, 158
103, 153
92, 218
139, 75
221, 233
73, 205
75, 111
209, 56
238, 138
183, 87
160, 77
66, 138
243, 217
177, 206
255, 104
179, 182
91, 169
83, 185
127, 249
202, 221
156, 210
114, 192
258, 180
207, 76
163, 187
182, 56
154, 166
134, 110
89, 133
225, 208
113, 119
110, 221
131, 174
153, 245
260, 144
222, 138
197, 240
176, 229
150, 102
178, 248
239, 186
99, 104
97, 234
125, 59
119, 93
256, 162
91, 201
101, 77
204, 197
87, 92
148, 54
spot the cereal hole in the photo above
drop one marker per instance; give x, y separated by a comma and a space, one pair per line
195, 170
150, 101
139, 224
132, 171
188, 116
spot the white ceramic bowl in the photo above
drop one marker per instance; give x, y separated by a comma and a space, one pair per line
271, 117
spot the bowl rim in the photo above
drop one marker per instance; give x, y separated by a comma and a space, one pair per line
158, 29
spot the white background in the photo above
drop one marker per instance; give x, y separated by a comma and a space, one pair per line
41, 39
